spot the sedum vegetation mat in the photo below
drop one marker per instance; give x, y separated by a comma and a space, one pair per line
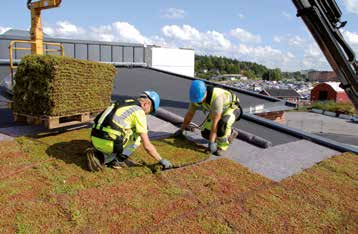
44, 187
55, 86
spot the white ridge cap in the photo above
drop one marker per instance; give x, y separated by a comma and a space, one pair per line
335, 86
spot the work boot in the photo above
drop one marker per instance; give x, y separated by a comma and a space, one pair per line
219, 152
93, 161
115, 164
118, 162
233, 135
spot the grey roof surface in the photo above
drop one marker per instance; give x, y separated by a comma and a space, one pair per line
18, 33
4, 71
174, 97
277, 162
280, 161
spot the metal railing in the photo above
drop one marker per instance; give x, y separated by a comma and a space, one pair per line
12, 47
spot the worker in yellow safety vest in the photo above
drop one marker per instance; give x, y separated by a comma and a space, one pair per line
224, 110
118, 131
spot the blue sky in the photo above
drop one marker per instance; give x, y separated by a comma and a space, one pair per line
263, 31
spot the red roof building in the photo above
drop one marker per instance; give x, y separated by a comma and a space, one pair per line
329, 91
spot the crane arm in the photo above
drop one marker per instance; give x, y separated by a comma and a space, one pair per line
322, 18
36, 25
43, 4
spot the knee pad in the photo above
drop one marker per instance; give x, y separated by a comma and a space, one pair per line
222, 125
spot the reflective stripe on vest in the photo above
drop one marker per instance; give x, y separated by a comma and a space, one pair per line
121, 118
217, 92
104, 115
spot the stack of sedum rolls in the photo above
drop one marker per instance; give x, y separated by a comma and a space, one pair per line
56, 86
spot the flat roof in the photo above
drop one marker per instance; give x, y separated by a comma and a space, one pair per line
173, 90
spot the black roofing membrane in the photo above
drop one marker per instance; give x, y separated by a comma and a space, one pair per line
174, 91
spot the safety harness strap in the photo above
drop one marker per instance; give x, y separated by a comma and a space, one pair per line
103, 125
209, 94
105, 122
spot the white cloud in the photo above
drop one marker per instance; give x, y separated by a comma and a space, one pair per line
352, 39
124, 31
215, 43
267, 56
185, 33
277, 39
213, 39
287, 15
314, 58
173, 13
291, 41
188, 36
117, 31
3, 29
296, 41
351, 5
65, 29
208, 42
241, 16
104, 33
245, 36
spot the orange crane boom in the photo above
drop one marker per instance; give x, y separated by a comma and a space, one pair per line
36, 25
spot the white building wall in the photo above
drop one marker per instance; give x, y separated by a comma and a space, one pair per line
179, 61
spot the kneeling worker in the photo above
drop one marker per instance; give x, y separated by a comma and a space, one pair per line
224, 110
118, 130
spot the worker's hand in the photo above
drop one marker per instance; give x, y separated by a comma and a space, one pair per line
179, 133
166, 164
212, 147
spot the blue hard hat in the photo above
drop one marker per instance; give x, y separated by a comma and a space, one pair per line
154, 97
197, 91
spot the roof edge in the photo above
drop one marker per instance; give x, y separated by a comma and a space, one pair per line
301, 134
68, 40
272, 99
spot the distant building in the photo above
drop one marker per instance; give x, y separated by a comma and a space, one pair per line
329, 91
286, 94
322, 76
179, 61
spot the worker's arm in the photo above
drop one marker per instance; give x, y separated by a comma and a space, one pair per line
149, 147
215, 118
187, 119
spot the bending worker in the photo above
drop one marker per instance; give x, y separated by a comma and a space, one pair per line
224, 110
118, 131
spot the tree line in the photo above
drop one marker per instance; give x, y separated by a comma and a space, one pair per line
210, 66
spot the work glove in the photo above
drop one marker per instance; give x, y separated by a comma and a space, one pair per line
165, 163
178, 133
212, 147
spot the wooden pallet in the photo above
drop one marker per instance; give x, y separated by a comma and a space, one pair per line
52, 122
